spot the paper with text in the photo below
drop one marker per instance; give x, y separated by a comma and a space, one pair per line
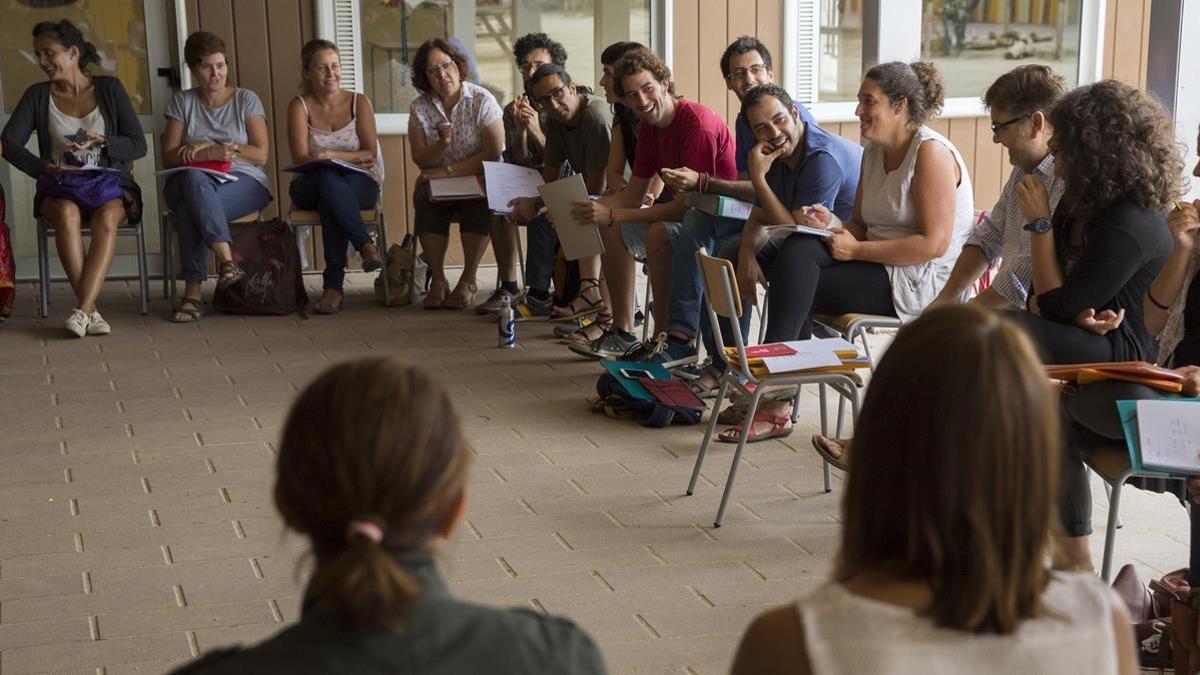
801, 361
1169, 434
506, 182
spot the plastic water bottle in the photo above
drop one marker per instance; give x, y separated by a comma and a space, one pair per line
506, 327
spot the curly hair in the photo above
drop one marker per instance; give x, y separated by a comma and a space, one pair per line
419, 79
919, 83
532, 41
635, 62
1114, 142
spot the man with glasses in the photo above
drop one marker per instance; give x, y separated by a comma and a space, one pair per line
578, 132
524, 143
1019, 102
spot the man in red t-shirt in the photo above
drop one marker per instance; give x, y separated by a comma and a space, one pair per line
673, 133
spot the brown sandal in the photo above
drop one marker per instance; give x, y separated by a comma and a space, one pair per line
462, 297
574, 311
835, 451
781, 425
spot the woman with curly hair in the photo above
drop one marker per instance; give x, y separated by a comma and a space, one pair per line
1102, 247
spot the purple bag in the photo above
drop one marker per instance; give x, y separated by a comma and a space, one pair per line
88, 189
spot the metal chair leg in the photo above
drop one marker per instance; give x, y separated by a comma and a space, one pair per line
712, 424
43, 270
747, 425
143, 270
1110, 534
646, 313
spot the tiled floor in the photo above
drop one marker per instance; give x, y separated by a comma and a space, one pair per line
136, 526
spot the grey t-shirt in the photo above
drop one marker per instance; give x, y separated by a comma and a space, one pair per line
584, 146
221, 124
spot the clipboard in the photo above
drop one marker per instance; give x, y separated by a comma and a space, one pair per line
1128, 412
577, 239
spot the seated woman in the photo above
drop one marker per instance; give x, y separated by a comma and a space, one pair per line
454, 127
1171, 313
951, 579
328, 122
376, 602
216, 126
912, 214
1113, 146
80, 119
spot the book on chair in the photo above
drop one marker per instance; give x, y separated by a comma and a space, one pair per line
1163, 436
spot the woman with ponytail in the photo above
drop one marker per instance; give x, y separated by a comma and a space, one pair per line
372, 469
80, 120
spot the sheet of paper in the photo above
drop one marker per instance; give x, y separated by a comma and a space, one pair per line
833, 344
577, 239
219, 175
331, 161
801, 361
457, 187
506, 182
1169, 432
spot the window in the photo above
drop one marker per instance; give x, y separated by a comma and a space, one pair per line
972, 41
392, 30
976, 41
116, 27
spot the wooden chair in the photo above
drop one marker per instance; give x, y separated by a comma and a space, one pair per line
720, 286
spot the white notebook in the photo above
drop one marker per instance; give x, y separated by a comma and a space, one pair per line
1169, 435
578, 239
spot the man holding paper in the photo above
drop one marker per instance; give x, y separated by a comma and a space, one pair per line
578, 131
673, 133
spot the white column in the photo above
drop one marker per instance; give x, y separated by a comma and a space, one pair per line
1171, 72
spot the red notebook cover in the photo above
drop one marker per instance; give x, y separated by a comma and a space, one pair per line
769, 349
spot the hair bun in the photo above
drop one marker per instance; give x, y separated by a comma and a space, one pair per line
932, 84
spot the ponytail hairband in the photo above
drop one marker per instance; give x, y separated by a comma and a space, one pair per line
366, 529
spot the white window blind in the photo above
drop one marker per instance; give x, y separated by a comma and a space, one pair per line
340, 21
806, 44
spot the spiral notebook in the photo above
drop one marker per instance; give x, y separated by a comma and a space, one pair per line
1163, 435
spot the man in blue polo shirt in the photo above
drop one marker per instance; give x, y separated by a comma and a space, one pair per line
794, 165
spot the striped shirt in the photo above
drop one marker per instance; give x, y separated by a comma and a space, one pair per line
1002, 237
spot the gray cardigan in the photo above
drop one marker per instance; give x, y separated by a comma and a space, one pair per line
126, 142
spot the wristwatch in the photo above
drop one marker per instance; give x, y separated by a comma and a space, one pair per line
1039, 225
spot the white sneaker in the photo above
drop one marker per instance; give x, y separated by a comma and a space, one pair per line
77, 323
97, 325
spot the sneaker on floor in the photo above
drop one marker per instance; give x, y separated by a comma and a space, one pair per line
77, 323
497, 300
529, 308
97, 325
614, 343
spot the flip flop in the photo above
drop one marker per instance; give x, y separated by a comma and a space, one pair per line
780, 427
826, 446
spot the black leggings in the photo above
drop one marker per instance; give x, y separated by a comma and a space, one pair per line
1063, 342
806, 280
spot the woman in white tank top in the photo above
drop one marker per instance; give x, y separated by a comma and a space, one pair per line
330, 123
943, 565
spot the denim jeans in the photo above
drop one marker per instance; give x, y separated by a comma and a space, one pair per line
202, 208
338, 196
698, 230
539, 258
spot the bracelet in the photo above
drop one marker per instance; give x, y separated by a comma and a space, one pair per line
612, 216
1156, 303
702, 183
449, 170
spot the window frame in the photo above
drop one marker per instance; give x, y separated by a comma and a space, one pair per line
902, 42
345, 30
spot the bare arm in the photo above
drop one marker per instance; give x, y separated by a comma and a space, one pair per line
684, 179
297, 132
774, 643
933, 189
615, 171
971, 263
426, 153
172, 143
256, 150
1184, 222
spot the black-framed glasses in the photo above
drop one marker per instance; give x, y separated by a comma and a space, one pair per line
556, 94
740, 73
997, 127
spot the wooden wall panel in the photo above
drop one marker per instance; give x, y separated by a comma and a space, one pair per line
285, 40
685, 66
985, 163
216, 16
740, 20
712, 38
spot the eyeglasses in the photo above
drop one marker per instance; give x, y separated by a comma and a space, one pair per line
740, 73
997, 127
556, 94
433, 70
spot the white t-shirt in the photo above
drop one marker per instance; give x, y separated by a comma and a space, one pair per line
63, 126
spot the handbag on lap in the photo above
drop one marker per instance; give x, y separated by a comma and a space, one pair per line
273, 284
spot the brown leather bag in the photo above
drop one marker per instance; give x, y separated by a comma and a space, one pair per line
1168, 605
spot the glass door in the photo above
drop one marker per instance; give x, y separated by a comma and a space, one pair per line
132, 39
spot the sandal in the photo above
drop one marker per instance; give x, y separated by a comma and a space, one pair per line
326, 307
371, 260
229, 274
436, 297
190, 310
573, 311
463, 295
833, 450
590, 331
702, 390
780, 427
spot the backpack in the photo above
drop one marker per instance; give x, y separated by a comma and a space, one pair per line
273, 283
615, 401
